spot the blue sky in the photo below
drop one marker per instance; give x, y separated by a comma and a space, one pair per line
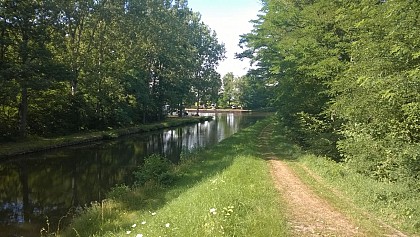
230, 19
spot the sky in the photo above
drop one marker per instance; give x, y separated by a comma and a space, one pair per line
230, 19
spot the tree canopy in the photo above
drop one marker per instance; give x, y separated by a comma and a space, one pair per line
70, 65
347, 79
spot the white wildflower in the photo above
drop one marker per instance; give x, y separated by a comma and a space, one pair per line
134, 226
213, 211
167, 225
128, 232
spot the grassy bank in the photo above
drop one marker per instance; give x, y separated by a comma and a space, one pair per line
223, 191
41, 144
365, 200
227, 191
394, 204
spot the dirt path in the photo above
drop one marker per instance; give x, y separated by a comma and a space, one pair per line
308, 214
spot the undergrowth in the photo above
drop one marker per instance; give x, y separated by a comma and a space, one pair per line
396, 203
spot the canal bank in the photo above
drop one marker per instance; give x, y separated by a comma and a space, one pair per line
194, 110
11, 149
44, 189
225, 190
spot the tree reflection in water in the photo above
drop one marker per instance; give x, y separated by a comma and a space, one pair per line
47, 185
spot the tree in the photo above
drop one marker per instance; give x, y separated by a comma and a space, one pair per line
208, 52
228, 87
74, 65
296, 47
255, 92
26, 58
377, 96
347, 78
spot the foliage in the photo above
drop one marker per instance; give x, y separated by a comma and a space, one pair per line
394, 203
155, 169
229, 90
249, 91
346, 79
73, 65
378, 95
255, 92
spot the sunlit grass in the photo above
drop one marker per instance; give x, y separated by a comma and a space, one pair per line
394, 203
368, 202
223, 191
227, 191
238, 201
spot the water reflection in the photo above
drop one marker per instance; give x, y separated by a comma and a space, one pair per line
47, 185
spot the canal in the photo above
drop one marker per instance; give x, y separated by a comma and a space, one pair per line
38, 189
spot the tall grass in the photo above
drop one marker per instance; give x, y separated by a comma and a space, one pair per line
396, 204
223, 191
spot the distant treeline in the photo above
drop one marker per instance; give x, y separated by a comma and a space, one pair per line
71, 65
347, 79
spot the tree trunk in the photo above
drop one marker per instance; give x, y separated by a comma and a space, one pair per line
23, 112
181, 109
2, 45
24, 76
74, 86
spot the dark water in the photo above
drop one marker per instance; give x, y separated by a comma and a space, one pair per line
41, 188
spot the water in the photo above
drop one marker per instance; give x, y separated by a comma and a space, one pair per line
40, 188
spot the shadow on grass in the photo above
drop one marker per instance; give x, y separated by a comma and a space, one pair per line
199, 166
273, 144
152, 196
194, 169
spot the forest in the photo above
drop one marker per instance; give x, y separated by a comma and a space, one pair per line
75, 65
346, 80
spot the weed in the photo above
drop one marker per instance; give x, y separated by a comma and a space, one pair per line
156, 169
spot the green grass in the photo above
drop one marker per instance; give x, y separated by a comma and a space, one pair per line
368, 202
394, 203
39, 144
226, 190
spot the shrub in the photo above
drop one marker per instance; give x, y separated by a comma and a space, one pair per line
155, 169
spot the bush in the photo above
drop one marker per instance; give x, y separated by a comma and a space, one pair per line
118, 192
155, 169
